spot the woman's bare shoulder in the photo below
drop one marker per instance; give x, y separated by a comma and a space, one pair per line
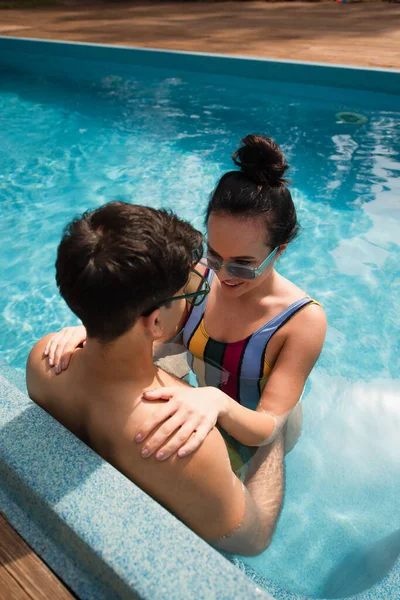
290, 292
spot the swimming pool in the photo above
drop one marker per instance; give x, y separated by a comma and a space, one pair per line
162, 137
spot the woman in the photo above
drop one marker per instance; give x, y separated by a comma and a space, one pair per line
255, 338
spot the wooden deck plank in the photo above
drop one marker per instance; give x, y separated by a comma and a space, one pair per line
9, 588
28, 573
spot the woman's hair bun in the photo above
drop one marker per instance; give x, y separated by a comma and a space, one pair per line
261, 160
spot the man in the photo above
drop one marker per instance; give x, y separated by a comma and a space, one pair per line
126, 272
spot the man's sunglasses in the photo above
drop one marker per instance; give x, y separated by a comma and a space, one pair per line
196, 289
235, 269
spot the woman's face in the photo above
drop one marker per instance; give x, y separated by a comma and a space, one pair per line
238, 240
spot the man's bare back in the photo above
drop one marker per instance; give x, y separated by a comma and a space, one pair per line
106, 415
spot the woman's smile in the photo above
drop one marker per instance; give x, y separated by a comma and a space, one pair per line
231, 284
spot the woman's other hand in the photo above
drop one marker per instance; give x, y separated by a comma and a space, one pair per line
183, 422
62, 345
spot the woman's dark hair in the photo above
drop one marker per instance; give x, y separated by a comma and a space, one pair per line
118, 261
258, 189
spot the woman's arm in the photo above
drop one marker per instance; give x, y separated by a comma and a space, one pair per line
190, 413
285, 384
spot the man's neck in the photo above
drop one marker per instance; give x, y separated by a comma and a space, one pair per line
127, 360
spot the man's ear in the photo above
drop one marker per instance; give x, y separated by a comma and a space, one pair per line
281, 250
153, 324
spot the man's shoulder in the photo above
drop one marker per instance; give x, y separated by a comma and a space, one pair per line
39, 375
54, 393
200, 489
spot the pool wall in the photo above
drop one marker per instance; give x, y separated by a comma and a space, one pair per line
350, 85
102, 535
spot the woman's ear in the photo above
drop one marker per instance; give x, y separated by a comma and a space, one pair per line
153, 324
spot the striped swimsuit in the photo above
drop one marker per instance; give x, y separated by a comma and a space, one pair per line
240, 369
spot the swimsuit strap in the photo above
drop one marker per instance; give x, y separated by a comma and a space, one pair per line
283, 317
196, 312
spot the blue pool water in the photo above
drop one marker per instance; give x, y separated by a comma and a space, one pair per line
162, 138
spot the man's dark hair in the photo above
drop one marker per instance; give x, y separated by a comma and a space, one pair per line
118, 261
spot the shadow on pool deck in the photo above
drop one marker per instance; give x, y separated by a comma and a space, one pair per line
365, 33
